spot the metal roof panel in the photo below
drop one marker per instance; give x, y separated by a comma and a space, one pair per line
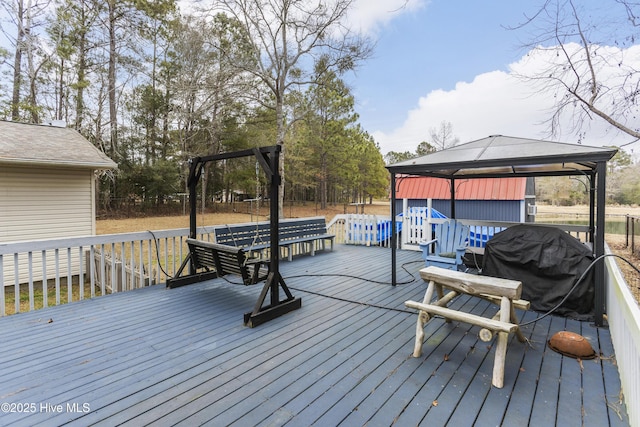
415, 187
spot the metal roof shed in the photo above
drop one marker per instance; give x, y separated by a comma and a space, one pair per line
500, 156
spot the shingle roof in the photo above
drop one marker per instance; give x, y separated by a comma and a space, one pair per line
413, 187
22, 143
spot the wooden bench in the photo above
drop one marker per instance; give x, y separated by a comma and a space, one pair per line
303, 232
255, 236
503, 292
224, 259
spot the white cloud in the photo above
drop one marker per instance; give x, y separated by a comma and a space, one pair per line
369, 15
496, 102
493, 103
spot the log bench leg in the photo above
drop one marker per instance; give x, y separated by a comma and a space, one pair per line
423, 317
501, 347
440, 294
514, 320
486, 334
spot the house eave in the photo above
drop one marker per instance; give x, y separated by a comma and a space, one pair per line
58, 163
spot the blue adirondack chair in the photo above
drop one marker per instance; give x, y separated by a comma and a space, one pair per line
452, 238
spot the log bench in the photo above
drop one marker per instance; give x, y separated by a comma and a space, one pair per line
503, 292
301, 232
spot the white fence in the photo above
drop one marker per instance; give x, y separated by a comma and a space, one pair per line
360, 229
623, 314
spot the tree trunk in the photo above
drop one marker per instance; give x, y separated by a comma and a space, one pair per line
280, 141
323, 182
17, 64
82, 68
61, 89
35, 117
111, 84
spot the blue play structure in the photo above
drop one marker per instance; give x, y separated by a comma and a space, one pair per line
479, 236
423, 210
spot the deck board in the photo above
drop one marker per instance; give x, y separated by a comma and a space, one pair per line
546, 395
182, 356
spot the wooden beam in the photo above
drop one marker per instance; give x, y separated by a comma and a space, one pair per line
472, 284
495, 325
501, 347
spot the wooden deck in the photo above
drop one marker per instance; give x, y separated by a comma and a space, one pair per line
183, 356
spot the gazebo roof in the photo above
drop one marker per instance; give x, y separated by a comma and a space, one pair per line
503, 156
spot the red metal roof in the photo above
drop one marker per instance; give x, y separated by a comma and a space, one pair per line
420, 187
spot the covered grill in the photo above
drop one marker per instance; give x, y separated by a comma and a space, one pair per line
548, 262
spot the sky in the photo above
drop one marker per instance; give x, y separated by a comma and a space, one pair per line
454, 61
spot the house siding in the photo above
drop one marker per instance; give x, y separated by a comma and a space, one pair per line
44, 203
39, 203
488, 210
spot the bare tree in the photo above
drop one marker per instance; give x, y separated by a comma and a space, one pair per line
588, 71
25, 17
205, 85
73, 33
288, 39
443, 136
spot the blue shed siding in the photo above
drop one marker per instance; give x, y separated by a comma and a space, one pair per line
488, 210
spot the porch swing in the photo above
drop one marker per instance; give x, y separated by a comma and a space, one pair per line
218, 260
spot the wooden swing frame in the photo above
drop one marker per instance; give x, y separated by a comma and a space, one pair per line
263, 311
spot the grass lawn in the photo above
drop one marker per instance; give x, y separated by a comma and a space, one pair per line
54, 296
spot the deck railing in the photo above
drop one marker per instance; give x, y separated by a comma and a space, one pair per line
623, 314
50, 272
632, 230
39, 273
47, 272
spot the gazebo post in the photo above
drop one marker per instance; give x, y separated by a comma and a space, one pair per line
452, 184
600, 296
592, 206
394, 238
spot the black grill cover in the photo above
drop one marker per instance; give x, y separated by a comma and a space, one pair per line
548, 262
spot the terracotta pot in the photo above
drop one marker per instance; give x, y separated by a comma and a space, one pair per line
572, 345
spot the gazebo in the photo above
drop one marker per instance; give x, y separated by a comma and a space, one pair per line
500, 156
